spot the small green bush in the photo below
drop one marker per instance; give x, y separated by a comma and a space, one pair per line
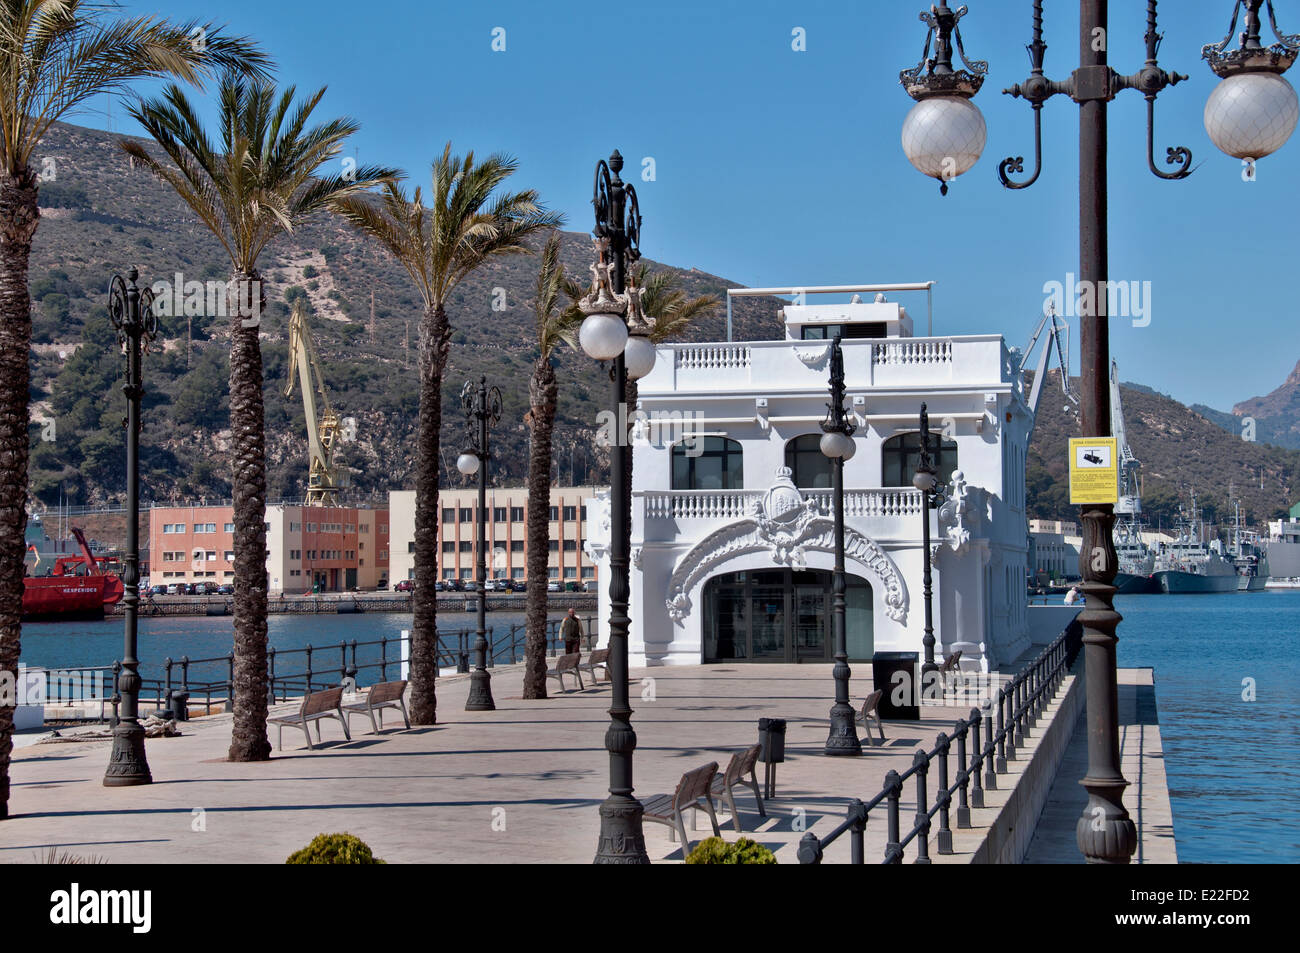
334, 849
715, 850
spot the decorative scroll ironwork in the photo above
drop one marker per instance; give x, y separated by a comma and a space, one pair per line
935, 76
1252, 56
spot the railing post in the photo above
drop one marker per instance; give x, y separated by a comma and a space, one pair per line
492, 649
185, 675
343, 660
893, 848
1001, 764
383, 658
990, 775
167, 669
922, 765
944, 837
117, 694
976, 760
353, 671
308, 688
462, 651
857, 832
230, 679
270, 681
810, 849
1018, 717
963, 779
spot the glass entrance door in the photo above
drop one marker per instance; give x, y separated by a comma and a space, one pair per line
768, 614
811, 621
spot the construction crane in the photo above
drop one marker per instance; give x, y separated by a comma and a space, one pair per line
1130, 492
1058, 333
323, 425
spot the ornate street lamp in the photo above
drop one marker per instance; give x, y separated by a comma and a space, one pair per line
944, 134
131, 312
1253, 112
925, 480
837, 444
482, 412
1105, 832
604, 336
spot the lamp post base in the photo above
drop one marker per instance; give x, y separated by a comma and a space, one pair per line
843, 738
622, 839
1105, 833
127, 765
480, 692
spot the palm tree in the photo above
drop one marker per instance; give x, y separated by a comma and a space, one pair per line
54, 57
258, 183
556, 325
466, 225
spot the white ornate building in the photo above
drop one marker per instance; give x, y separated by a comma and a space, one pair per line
732, 533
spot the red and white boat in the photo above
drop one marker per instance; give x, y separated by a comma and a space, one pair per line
78, 586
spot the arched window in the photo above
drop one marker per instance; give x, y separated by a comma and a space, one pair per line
901, 455
708, 463
809, 467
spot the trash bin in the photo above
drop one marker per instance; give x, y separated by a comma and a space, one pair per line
180, 705
896, 676
771, 740
771, 735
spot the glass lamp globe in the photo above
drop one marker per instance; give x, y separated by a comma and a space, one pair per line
467, 463
836, 445
924, 481
943, 136
850, 448
603, 336
638, 357
1251, 115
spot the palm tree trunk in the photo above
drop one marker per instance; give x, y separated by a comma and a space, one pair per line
248, 740
543, 395
19, 214
435, 343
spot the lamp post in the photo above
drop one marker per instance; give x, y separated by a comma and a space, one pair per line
925, 480
837, 444
1250, 115
483, 412
131, 312
604, 336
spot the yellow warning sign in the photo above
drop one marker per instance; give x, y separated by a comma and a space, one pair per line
1094, 470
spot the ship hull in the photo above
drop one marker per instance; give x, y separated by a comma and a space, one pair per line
1175, 581
1251, 583
69, 597
1127, 584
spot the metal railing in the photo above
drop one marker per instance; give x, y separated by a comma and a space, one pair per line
316, 667
1020, 704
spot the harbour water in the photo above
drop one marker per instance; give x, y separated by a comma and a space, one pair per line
1229, 762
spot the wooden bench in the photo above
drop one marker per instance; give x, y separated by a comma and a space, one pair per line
567, 665
871, 710
381, 696
742, 763
694, 787
599, 658
314, 708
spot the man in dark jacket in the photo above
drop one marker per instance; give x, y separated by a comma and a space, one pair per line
571, 632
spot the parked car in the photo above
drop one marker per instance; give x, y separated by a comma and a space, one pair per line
226, 589
552, 586
455, 585
200, 589
404, 585
439, 586
383, 586
159, 590
518, 585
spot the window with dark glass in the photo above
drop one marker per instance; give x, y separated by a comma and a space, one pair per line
448, 514
809, 467
901, 455
710, 463
570, 512
516, 514
553, 545
466, 546
554, 513
516, 545
466, 514
498, 514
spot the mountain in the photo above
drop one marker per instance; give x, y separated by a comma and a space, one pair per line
1179, 449
100, 215
1274, 418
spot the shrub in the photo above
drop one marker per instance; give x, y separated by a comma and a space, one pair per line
715, 850
309, 271
334, 849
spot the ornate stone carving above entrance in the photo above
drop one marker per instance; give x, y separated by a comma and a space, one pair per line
787, 525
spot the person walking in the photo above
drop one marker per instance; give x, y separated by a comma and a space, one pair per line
571, 632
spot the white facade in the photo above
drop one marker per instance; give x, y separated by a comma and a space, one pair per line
763, 395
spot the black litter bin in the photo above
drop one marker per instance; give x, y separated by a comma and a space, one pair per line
896, 676
771, 740
180, 705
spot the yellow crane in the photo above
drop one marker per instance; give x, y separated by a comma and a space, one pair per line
323, 425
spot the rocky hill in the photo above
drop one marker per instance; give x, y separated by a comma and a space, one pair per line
1179, 450
99, 216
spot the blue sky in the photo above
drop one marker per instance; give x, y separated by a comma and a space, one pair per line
776, 167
